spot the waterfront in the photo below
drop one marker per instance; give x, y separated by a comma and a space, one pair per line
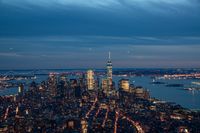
186, 98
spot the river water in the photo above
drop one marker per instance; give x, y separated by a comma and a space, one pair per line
188, 99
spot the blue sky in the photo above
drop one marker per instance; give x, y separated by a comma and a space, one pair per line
79, 33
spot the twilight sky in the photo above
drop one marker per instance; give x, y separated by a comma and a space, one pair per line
79, 33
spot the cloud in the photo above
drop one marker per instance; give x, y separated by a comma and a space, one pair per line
5, 54
150, 5
61, 3
50, 32
90, 41
95, 3
49, 52
99, 17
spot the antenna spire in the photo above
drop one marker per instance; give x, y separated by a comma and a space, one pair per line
109, 55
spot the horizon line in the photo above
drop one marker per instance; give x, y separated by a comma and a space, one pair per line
98, 68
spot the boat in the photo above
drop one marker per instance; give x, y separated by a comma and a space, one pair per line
189, 89
196, 83
192, 89
174, 85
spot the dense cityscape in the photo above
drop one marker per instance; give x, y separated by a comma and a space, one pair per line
92, 104
57, 74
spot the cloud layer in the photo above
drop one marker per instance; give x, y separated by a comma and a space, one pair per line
167, 7
99, 3
79, 33
92, 51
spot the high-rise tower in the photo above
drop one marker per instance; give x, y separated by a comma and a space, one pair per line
109, 72
90, 80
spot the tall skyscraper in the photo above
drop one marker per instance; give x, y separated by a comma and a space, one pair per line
109, 72
90, 80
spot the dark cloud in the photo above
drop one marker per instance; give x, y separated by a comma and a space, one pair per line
122, 18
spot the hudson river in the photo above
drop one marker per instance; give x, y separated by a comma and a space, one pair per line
186, 98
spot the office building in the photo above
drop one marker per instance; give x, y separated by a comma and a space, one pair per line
90, 80
109, 72
124, 85
21, 89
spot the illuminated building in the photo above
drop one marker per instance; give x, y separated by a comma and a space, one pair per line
17, 110
107, 84
52, 84
90, 80
104, 84
21, 89
124, 84
109, 72
84, 126
141, 93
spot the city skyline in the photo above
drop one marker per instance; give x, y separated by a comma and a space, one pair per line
110, 66
62, 34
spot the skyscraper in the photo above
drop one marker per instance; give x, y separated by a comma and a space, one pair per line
90, 80
109, 72
104, 85
52, 84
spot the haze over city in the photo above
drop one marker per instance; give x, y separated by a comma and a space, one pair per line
79, 34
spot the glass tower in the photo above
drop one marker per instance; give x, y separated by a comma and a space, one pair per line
109, 72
